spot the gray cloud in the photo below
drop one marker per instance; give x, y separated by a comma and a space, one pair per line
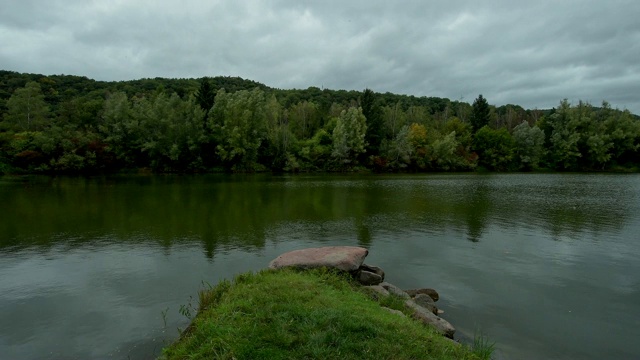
521, 52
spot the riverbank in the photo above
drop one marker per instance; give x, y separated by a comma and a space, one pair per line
12, 171
320, 314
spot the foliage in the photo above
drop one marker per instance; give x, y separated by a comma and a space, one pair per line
239, 121
400, 149
480, 114
419, 140
121, 130
317, 151
529, 145
205, 95
564, 151
495, 148
279, 139
304, 119
394, 119
349, 136
72, 124
373, 114
444, 152
26, 109
172, 132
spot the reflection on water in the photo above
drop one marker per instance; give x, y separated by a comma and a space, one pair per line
544, 263
216, 210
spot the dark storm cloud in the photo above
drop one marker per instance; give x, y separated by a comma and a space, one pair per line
522, 52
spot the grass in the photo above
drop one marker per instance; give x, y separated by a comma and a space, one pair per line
482, 346
289, 314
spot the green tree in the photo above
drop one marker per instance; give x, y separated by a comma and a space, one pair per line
593, 143
25, 152
349, 135
372, 112
171, 132
239, 121
26, 109
82, 111
205, 97
70, 150
304, 119
480, 113
444, 152
464, 140
529, 145
495, 148
278, 137
564, 151
316, 152
624, 134
394, 119
418, 115
121, 130
400, 149
420, 140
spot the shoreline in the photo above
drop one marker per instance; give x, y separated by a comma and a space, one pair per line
320, 303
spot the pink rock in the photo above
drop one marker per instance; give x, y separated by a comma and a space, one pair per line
345, 258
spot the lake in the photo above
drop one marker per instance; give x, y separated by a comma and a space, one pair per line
545, 265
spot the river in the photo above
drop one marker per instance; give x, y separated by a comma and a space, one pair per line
545, 265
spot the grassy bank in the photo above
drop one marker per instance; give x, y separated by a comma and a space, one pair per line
304, 315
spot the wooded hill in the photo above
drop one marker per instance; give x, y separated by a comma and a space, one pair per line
72, 124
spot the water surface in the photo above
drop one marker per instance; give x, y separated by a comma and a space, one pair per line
544, 264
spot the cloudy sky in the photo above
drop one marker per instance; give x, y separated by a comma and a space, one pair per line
531, 53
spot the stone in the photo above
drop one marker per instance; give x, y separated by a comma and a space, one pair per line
394, 311
373, 269
426, 302
432, 293
376, 292
394, 290
344, 258
427, 317
368, 278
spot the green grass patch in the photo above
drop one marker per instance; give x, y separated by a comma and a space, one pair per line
482, 346
289, 314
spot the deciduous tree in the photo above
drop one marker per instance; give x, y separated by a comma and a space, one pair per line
529, 145
349, 135
564, 152
240, 120
372, 112
26, 109
494, 147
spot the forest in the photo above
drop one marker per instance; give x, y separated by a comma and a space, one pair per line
64, 124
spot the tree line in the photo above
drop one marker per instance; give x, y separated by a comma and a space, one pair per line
71, 124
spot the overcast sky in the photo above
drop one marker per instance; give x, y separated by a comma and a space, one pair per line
532, 53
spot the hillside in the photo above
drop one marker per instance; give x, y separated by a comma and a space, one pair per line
73, 124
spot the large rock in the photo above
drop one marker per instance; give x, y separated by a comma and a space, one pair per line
373, 269
368, 278
345, 258
394, 290
426, 302
427, 317
377, 289
432, 293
